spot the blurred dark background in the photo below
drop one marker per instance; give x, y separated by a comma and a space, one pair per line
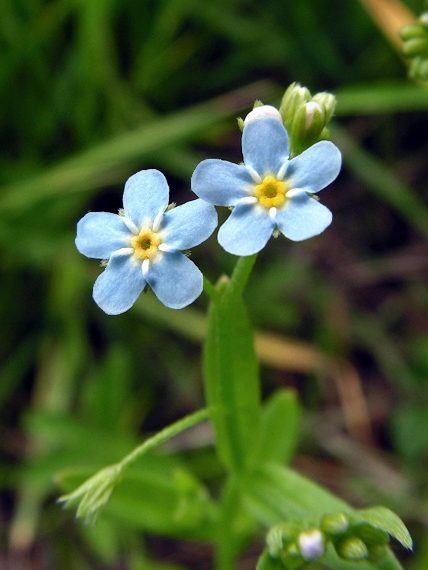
92, 91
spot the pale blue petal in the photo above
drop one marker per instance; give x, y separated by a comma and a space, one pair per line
190, 224
146, 194
303, 218
175, 280
247, 230
220, 182
265, 146
99, 234
315, 168
120, 284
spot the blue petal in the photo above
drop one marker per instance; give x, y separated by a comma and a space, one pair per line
146, 194
175, 280
315, 168
247, 230
302, 218
265, 146
120, 284
220, 182
99, 234
190, 224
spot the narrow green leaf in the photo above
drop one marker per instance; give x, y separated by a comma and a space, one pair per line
231, 374
280, 427
384, 519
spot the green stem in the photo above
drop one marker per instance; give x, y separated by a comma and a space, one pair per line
210, 290
164, 435
240, 274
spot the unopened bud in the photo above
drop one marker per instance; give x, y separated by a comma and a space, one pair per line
412, 31
416, 46
335, 524
423, 18
352, 548
311, 544
328, 101
281, 536
263, 112
294, 97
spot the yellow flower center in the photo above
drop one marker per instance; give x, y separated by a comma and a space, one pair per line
145, 244
271, 192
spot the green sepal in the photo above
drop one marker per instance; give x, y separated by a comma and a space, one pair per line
267, 562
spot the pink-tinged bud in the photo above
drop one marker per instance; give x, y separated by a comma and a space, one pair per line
263, 112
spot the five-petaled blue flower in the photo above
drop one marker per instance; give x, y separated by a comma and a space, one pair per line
144, 245
269, 190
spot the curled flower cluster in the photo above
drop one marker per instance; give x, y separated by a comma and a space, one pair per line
268, 192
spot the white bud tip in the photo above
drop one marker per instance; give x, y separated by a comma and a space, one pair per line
263, 112
423, 18
311, 108
311, 544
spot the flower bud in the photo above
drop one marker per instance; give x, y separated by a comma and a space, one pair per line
311, 544
263, 112
307, 125
416, 46
328, 101
281, 536
352, 548
423, 18
335, 524
294, 97
412, 31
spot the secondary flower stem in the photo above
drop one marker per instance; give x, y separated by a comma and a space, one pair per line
164, 435
241, 273
210, 290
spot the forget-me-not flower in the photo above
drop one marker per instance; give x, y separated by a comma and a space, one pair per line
144, 245
269, 190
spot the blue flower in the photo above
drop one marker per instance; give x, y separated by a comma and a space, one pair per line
143, 246
269, 190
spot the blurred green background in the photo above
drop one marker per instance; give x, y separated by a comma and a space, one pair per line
92, 91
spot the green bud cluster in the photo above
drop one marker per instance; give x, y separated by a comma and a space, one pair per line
362, 535
305, 116
415, 46
353, 538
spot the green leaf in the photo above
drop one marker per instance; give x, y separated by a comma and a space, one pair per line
280, 427
384, 519
231, 374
